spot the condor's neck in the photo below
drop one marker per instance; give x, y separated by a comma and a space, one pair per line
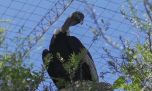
66, 26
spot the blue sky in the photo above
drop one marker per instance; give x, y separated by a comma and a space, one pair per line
28, 13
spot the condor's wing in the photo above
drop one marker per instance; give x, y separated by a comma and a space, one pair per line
89, 61
76, 46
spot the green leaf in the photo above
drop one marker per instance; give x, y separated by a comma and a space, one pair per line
1, 64
1, 30
119, 82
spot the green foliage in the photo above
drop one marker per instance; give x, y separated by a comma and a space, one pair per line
136, 69
1, 35
136, 66
14, 75
75, 60
72, 65
119, 83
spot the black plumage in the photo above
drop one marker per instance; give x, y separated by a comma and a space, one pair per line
66, 45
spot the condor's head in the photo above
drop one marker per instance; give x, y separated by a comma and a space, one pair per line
76, 18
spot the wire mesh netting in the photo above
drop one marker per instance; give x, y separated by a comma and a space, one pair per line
35, 21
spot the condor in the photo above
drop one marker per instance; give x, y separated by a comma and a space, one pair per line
65, 45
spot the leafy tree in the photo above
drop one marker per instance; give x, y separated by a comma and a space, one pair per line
14, 74
135, 65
